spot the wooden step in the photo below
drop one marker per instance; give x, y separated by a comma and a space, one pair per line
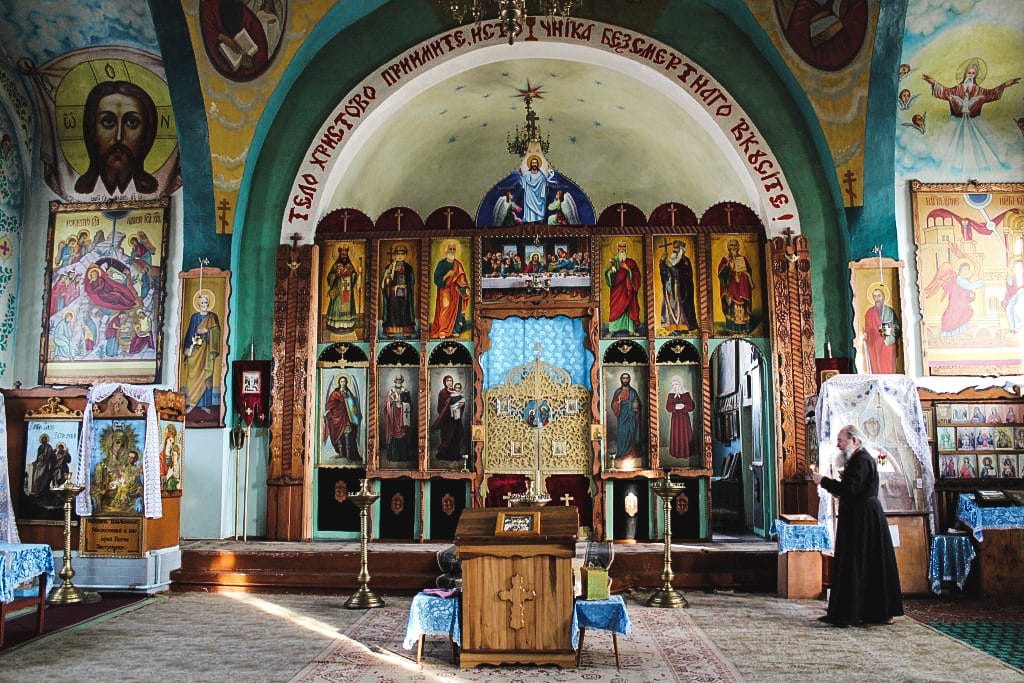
411, 567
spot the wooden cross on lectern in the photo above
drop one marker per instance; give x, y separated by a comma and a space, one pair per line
517, 595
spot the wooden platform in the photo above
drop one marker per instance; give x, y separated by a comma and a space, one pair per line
747, 565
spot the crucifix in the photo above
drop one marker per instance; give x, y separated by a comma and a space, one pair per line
567, 499
622, 215
672, 214
516, 596
448, 217
294, 263
344, 220
849, 179
398, 219
728, 214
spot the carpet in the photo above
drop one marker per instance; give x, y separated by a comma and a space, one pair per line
22, 628
1003, 640
665, 645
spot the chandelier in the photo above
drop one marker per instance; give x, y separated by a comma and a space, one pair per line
511, 13
519, 142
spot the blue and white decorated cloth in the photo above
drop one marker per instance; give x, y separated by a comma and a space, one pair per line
20, 562
978, 518
801, 536
432, 614
604, 615
950, 560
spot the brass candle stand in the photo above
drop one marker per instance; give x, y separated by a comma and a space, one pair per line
667, 596
67, 593
364, 598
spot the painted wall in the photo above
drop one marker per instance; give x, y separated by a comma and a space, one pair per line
932, 145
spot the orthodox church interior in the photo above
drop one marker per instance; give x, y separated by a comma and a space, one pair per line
297, 294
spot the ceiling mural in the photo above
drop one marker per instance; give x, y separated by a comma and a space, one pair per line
829, 52
237, 96
959, 104
452, 140
45, 29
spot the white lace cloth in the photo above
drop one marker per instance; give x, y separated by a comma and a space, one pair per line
152, 504
892, 400
8, 528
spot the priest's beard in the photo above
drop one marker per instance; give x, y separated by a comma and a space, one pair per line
846, 453
119, 166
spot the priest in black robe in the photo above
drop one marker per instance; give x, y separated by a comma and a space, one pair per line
865, 578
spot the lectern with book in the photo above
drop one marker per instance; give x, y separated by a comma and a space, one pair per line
517, 592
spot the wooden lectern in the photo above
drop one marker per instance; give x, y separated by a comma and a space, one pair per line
517, 593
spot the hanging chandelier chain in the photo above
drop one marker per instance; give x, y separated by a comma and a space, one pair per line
511, 13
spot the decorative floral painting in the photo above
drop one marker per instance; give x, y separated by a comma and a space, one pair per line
970, 270
103, 317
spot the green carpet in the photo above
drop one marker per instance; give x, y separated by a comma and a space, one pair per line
1003, 640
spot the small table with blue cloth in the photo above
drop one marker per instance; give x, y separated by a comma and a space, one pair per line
433, 614
801, 536
980, 518
799, 562
950, 560
604, 615
21, 562
999, 532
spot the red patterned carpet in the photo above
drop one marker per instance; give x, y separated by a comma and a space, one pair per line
665, 645
952, 608
22, 629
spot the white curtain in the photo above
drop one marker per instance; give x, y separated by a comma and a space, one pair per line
8, 528
887, 410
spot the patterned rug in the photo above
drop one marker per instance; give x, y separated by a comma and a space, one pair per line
1001, 639
665, 645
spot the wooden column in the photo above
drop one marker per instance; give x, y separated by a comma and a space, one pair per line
792, 336
294, 336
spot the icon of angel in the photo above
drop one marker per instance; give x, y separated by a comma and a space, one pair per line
563, 210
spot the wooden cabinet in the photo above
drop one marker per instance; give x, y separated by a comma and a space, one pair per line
912, 550
517, 599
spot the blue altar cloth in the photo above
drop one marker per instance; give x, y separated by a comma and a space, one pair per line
20, 562
979, 518
432, 614
801, 536
950, 560
603, 615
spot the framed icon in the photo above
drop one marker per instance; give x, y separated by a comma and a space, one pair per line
517, 523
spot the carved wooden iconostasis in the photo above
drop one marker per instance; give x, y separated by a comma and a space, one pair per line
457, 364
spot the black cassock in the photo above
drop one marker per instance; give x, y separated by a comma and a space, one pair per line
865, 578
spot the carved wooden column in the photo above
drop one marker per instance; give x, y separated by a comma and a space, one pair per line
294, 333
792, 336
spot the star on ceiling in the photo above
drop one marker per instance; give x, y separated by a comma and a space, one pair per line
530, 92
